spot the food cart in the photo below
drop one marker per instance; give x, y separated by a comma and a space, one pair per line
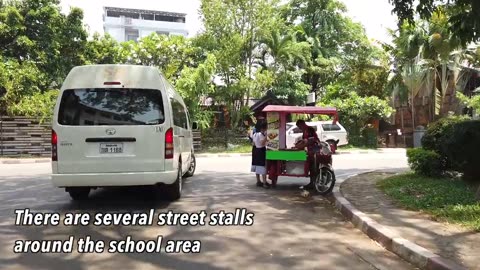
295, 162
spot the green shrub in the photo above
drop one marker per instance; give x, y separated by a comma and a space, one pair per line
425, 162
370, 135
438, 133
462, 149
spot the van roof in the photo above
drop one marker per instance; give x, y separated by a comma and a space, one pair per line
130, 76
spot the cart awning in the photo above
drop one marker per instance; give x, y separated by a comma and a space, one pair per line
299, 109
303, 110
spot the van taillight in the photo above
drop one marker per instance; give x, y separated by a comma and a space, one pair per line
54, 146
169, 144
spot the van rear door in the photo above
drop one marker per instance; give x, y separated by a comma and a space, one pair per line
109, 130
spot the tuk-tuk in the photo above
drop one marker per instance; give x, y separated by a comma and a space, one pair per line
298, 162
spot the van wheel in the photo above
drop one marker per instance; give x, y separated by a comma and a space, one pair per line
191, 169
79, 193
173, 191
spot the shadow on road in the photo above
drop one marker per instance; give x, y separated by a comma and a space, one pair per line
290, 232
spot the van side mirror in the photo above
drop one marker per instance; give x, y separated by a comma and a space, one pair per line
194, 126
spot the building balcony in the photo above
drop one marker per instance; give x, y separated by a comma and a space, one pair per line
125, 22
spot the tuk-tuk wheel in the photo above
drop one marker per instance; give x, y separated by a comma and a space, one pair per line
324, 181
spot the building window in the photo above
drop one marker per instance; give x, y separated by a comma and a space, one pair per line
149, 17
164, 18
125, 14
113, 14
131, 34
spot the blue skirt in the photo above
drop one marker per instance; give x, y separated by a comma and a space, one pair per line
259, 156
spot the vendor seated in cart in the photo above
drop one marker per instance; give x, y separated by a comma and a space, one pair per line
311, 141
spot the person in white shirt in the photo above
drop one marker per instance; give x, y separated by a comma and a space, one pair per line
259, 159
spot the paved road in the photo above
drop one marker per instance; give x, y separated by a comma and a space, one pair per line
289, 232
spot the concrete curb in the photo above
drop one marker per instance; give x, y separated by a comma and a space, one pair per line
24, 161
220, 155
223, 155
378, 151
407, 250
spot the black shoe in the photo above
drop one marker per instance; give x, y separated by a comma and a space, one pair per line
266, 185
259, 184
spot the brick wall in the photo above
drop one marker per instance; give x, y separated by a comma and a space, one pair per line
24, 136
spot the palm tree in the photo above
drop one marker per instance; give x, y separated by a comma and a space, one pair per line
432, 42
414, 78
410, 74
283, 50
437, 52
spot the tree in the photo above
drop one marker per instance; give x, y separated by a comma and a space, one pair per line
37, 31
197, 82
356, 111
473, 102
103, 50
169, 53
365, 71
17, 81
283, 50
38, 47
232, 32
464, 21
338, 45
282, 59
433, 46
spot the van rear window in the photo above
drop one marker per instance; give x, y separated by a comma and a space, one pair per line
96, 107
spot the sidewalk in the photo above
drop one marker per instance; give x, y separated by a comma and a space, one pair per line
207, 155
339, 152
454, 243
24, 160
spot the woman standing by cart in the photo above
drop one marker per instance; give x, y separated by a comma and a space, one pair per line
259, 153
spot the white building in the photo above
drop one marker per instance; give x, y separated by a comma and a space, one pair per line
131, 24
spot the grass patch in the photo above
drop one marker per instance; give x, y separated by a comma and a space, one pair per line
352, 147
446, 199
244, 148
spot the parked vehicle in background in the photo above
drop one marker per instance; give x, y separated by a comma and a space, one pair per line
120, 125
334, 134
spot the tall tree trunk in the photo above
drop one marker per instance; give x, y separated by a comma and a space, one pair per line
314, 83
413, 110
250, 63
403, 127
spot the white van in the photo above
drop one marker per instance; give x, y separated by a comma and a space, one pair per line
334, 134
120, 125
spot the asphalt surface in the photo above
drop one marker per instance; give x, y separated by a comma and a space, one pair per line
288, 231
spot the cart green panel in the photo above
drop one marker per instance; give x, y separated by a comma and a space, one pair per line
286, 155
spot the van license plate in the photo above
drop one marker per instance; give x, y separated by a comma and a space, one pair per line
111, 148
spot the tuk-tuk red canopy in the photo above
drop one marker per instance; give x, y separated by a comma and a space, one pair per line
302, 110
298, 109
